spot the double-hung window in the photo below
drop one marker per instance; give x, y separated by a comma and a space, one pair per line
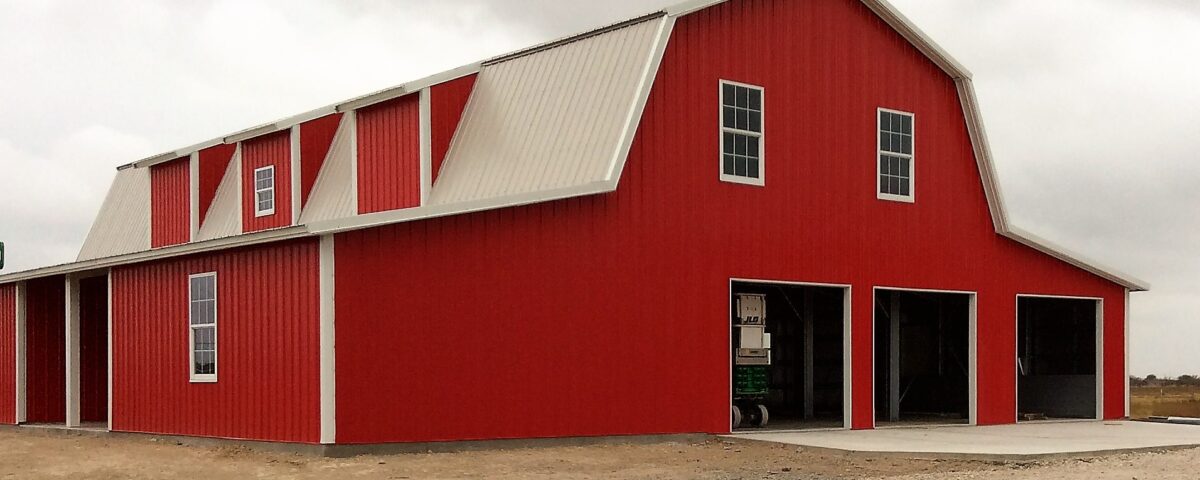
264, 191
202, 327
742, 134
896, 156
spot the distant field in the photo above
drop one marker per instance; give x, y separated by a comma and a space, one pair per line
1165, 402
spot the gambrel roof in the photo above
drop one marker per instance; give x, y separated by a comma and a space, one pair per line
550, 122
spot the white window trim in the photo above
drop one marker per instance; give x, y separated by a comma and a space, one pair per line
192, 375
761, 181
274, 198
912, 160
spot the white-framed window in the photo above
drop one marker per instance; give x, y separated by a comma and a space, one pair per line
264, 191
742, 134
896, 166
202, 327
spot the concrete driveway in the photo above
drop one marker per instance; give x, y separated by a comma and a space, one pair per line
1023, 441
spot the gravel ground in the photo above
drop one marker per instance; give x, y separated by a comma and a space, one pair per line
38, 455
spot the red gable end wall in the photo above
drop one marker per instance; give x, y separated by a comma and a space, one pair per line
446, 104
267, 345
616, 320
316, 137
389, 155
269, 150
214, 161
170, 203
8, 354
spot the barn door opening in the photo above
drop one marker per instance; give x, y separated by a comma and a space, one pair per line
788, 356
1057, 358
922, 357
93, 352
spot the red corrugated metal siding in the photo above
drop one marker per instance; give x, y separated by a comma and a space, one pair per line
93, 349
170, 203
446, 104
274, 149
268, 346
609, 315
316, 136
8, 354
389, 155
45, 350
214, 161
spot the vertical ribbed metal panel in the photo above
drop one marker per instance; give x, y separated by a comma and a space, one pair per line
334, 192
592, 298
45, 349
214, 162
389, 155
548, 120
8, 354
316, 138
270, 150
170, 203
267, 347
123, 224
93, 349
224, 219
447, 102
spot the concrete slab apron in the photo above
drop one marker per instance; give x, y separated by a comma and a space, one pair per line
1028, 440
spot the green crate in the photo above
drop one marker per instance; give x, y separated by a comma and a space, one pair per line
751, 380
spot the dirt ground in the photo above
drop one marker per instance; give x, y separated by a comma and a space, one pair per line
36, 455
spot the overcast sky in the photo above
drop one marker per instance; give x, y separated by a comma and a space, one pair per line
1092, 106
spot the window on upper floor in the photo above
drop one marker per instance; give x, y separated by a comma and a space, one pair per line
202, 327
742, 133
895, 156
264, 191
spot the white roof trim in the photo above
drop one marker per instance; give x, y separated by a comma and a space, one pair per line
407, 88
161, 253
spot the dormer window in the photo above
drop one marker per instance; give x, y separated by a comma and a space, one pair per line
264, 191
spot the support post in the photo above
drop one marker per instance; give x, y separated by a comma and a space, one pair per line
328, 384
809, 346
894, 360
21, 393
72, 350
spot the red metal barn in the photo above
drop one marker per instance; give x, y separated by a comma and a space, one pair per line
565, 241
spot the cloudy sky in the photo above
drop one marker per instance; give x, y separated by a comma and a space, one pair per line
1093, 107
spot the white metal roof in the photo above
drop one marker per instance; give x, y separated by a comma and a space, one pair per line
224, 217
123, 224
529, 137
548, 120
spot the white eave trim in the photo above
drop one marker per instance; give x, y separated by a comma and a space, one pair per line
256, 238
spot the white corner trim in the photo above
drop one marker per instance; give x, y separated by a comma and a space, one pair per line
1128, 392
72, 350
665, 26
328, 352
426, 134
22, 291
109, 329
294, 181
194, 195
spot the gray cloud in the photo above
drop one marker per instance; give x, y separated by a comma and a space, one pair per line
1091, 107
